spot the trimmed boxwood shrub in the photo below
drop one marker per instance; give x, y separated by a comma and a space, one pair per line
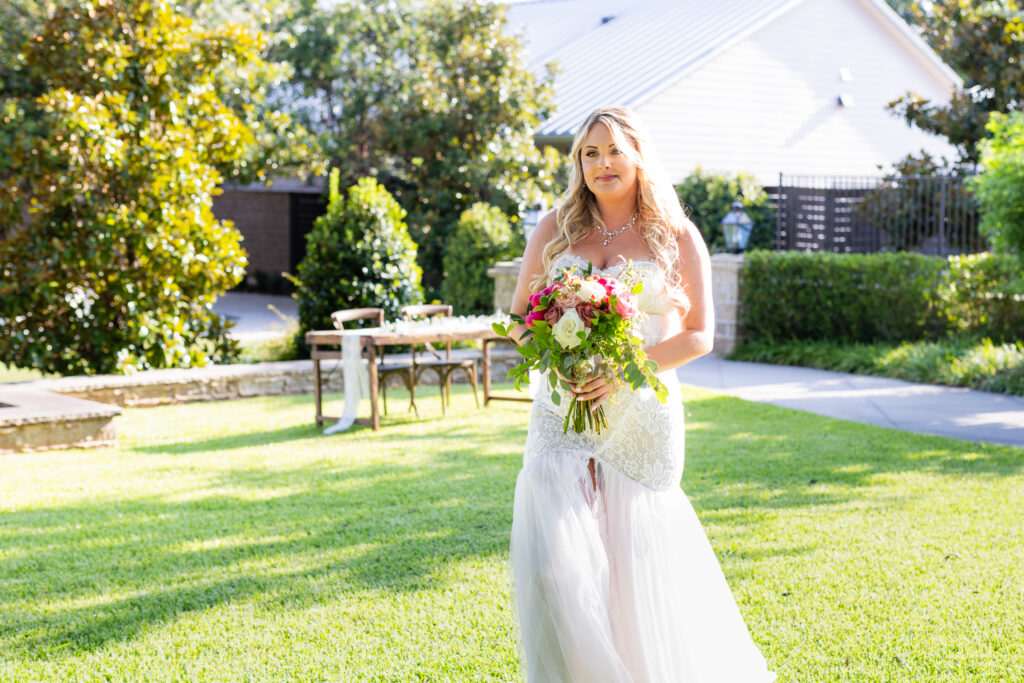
358, 254
482, 236
878, 297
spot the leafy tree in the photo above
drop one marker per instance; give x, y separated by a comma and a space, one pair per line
359, 254
984, 42
905, 8
1000, 186
431, 98
708, 196
483, 236
114, 258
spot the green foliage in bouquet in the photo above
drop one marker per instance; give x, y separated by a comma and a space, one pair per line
483, 236
595, 336
116, 132
359, 254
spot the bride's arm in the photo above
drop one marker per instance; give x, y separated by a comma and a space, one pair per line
533, 265
698, 333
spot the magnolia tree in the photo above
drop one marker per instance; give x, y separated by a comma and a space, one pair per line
113, 146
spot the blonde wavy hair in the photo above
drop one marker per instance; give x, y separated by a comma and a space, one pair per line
660, 217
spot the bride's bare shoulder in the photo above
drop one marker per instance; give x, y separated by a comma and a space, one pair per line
547, 228
691, 243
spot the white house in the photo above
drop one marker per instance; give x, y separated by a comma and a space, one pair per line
763, 86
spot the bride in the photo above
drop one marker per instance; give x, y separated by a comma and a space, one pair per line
613, 576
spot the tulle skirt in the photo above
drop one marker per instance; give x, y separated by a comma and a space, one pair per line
618, 582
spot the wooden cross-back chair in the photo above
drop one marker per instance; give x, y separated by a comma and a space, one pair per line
406, 371
445, 365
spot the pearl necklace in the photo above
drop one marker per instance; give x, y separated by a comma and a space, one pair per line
609, 236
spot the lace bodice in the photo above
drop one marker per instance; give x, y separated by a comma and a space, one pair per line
644, 439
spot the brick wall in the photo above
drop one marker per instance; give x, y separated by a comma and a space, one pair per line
263, 220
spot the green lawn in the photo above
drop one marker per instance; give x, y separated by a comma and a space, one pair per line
232, 541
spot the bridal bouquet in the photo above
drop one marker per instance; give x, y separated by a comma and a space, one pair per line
579, 326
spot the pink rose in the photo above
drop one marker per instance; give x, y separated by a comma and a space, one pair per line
553, 315
533, 316
626, 306
588, 312
535, 299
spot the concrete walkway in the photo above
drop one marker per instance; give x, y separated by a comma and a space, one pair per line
923, 408
256, 316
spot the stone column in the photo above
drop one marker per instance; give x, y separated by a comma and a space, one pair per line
505, 274
725, 288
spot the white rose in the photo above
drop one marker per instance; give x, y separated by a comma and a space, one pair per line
591, 291
566, 330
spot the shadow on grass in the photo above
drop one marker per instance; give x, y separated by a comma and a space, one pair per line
739, 456
94, 572
243, 437
278, 537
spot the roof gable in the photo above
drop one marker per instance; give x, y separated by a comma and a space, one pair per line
611, 52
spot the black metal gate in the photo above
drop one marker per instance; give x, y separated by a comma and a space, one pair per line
858, 214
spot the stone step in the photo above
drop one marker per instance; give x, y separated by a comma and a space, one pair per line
33, 420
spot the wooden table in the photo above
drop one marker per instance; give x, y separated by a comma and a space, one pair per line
326, 344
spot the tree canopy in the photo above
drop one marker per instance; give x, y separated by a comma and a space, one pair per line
983, 41
430, 98
120, 132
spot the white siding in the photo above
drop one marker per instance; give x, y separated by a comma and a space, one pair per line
768, 104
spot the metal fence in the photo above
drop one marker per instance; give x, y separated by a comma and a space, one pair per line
859, 214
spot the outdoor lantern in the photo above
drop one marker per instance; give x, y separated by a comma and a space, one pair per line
736, 227
531, 219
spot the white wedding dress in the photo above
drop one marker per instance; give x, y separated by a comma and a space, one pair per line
620, 583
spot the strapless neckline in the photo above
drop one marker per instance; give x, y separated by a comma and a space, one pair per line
614, 266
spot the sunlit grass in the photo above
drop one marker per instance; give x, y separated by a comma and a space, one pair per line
233, 541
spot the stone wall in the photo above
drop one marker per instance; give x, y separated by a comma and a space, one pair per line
225, 382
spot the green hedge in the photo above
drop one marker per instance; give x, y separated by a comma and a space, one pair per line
879, 297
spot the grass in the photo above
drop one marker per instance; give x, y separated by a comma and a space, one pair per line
232, 541
978, 364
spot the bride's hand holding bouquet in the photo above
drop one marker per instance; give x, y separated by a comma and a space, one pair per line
579, 327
